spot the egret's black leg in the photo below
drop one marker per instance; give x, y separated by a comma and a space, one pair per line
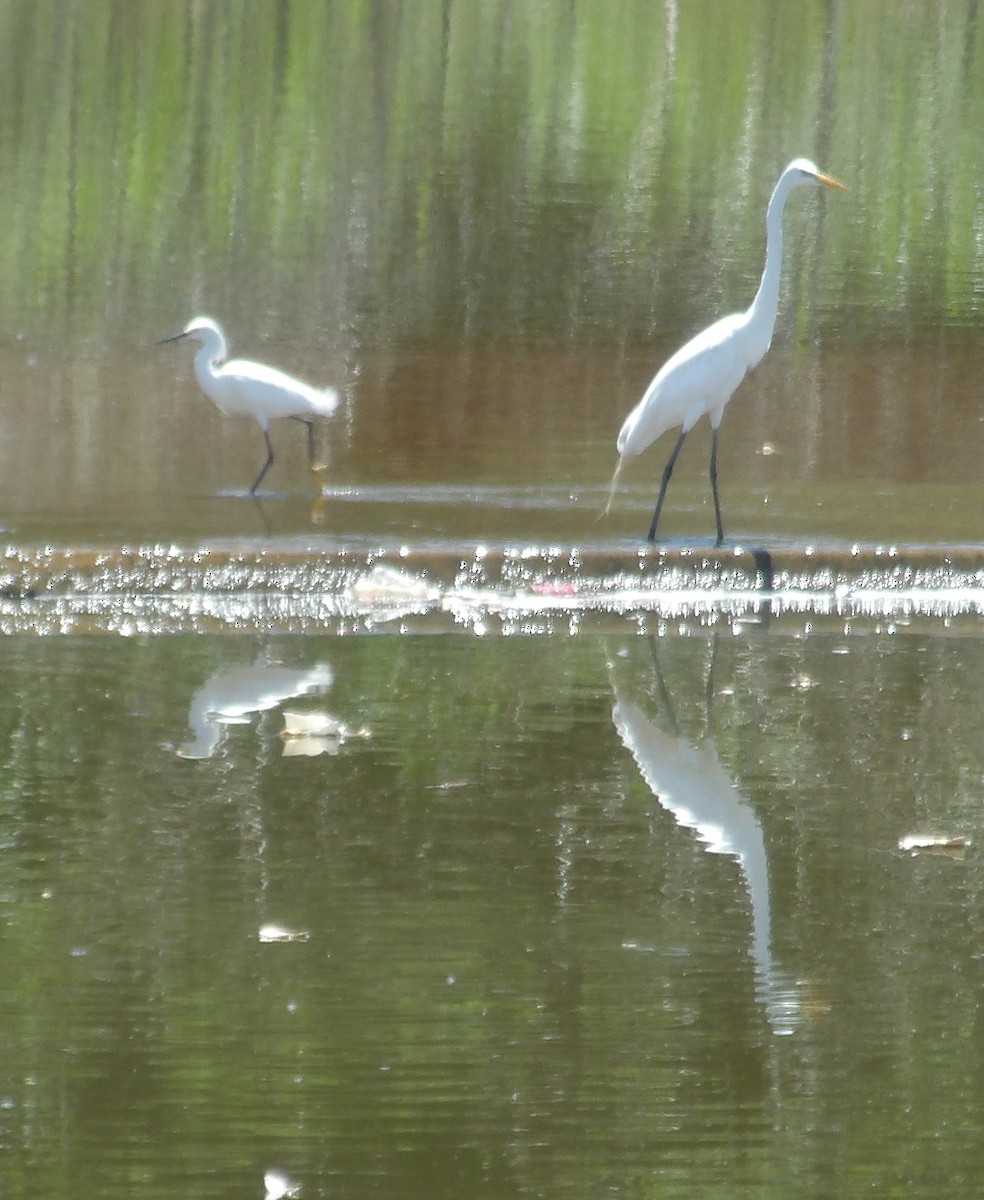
714, 485
664, 693
310, 434
266, 465
667, 472
709, 685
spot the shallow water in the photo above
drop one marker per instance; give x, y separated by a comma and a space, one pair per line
576, 913
515, 444
582, 868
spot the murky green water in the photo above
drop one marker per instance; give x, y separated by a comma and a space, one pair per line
580, 915
542, 871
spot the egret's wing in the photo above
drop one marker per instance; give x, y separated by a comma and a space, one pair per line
274, 393
698, 378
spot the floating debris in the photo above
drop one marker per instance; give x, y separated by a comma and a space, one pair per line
803, 683
950, 847
555, 588
279, 933
312, 733
279, 1184
383, 583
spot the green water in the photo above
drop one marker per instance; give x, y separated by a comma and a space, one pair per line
524, 972
584, 913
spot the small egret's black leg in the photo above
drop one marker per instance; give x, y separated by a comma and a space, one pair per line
266, 465
667, 472
310, 436
714, 485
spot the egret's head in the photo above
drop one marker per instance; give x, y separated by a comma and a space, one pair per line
802, 171
202, 329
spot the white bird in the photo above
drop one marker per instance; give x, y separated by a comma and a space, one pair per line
240, 388
702, 376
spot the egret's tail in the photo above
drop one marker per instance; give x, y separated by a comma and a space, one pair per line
327, 402
612, 486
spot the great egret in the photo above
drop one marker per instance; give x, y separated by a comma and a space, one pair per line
248, 389
702, 376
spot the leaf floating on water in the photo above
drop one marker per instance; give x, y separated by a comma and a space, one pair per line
279, 933
279, 1184
384, 583
951, 847
311, 724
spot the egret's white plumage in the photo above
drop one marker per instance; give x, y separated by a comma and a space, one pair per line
702, 376
240, 388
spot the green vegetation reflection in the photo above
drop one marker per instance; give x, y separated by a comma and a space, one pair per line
459, 167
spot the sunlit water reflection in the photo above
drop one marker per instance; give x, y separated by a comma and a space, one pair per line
481, 915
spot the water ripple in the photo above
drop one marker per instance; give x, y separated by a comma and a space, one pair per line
525, 588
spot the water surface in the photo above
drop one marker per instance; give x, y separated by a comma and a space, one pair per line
526, 967
488, 231
601, 891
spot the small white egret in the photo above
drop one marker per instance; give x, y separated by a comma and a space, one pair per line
702, 376
248, 389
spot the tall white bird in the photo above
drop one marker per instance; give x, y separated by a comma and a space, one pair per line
240, 388
702, 376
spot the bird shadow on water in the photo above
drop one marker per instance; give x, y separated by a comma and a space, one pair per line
689, 782
297, 508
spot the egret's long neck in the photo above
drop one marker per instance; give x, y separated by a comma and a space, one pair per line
212, 352
762, 314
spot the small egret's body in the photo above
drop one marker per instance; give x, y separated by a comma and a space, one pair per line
703, 375
239, 388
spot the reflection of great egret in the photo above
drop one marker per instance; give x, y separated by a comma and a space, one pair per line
231, 697
691, 784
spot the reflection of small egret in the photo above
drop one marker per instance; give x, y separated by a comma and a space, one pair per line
248, 389
692, 785
702, 376
232, 697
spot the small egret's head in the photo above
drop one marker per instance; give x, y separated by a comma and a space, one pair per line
202, 329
